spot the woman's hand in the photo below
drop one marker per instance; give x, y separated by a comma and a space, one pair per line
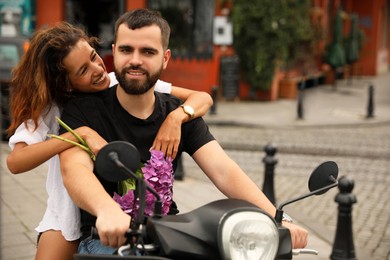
93, 139
168, 137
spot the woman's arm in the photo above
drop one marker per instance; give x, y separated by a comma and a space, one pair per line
26, 157
200, 101
168, 137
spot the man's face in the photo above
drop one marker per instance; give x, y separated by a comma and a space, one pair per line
139, 58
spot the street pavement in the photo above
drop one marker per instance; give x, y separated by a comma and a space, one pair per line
333, 127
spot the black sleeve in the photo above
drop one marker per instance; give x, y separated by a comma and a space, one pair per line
196, 134
73, 115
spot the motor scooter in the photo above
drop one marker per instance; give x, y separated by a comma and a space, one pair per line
223, 229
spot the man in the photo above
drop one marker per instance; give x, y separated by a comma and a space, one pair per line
133, 112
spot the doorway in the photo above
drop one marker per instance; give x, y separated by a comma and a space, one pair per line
98, 19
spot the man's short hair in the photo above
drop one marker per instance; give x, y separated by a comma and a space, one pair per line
139, 18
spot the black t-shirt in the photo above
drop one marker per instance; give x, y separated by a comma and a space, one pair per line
102, 112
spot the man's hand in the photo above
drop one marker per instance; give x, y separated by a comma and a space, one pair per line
299, 235
112, 225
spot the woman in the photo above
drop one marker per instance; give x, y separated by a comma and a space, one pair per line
41, 85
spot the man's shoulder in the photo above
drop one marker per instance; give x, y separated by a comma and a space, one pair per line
85, 98
168, 98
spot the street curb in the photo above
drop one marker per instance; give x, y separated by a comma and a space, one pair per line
231, 123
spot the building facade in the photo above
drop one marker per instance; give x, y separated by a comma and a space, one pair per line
203, 54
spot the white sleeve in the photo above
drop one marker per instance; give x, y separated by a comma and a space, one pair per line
163, 87
113, 80
28, 135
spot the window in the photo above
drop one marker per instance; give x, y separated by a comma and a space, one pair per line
9, 55
96, 16
191, 23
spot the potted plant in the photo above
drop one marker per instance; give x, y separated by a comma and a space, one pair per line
267, 35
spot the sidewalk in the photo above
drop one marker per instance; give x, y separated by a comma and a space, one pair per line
322, 105
23, 197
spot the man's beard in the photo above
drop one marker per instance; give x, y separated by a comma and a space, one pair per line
137, 87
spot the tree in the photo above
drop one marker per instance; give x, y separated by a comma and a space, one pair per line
268, 31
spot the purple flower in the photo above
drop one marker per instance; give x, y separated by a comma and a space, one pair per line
158, 173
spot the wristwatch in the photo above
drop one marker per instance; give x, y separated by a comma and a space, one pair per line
188, 110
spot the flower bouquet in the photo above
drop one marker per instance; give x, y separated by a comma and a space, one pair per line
158, 174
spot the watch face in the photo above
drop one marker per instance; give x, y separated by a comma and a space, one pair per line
189, 110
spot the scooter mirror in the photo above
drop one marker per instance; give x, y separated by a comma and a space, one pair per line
325, 174
108, 169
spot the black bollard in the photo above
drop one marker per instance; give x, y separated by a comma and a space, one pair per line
343, 247
370, 104
213, 108
300, 99
269, 162
179, 173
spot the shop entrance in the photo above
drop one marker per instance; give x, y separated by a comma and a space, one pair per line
98, 19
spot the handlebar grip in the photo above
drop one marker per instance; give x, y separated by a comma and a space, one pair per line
303, 251
94, 233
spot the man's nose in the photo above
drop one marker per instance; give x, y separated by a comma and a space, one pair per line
136, 59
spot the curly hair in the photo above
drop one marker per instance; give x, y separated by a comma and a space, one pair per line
41, 79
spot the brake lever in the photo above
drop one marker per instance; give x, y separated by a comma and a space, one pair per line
304, 251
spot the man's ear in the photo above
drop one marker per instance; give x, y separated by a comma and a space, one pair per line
167, 56
113, 49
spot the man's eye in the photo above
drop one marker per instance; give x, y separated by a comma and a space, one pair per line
94, 56
125, 50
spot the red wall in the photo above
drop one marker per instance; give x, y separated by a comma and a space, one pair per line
49, 12
371, 13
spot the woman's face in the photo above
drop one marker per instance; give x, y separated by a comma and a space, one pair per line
87, 72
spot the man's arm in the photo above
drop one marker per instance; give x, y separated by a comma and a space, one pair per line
231, 180
89, 194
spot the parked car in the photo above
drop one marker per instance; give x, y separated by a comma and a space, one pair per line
11, 51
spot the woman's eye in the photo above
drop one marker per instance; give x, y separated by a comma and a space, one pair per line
94, 56
83, 71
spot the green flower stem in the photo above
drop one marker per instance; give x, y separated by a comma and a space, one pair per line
85, 148
83, 144
62, 123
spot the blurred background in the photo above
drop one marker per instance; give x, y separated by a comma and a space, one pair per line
257, 50
254, 57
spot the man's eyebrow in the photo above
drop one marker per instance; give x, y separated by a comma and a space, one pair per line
150, 49
124, 46
129, 47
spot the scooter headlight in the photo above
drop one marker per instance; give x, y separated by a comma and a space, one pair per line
248, 235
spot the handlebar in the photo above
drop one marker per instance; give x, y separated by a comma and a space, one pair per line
304, 251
